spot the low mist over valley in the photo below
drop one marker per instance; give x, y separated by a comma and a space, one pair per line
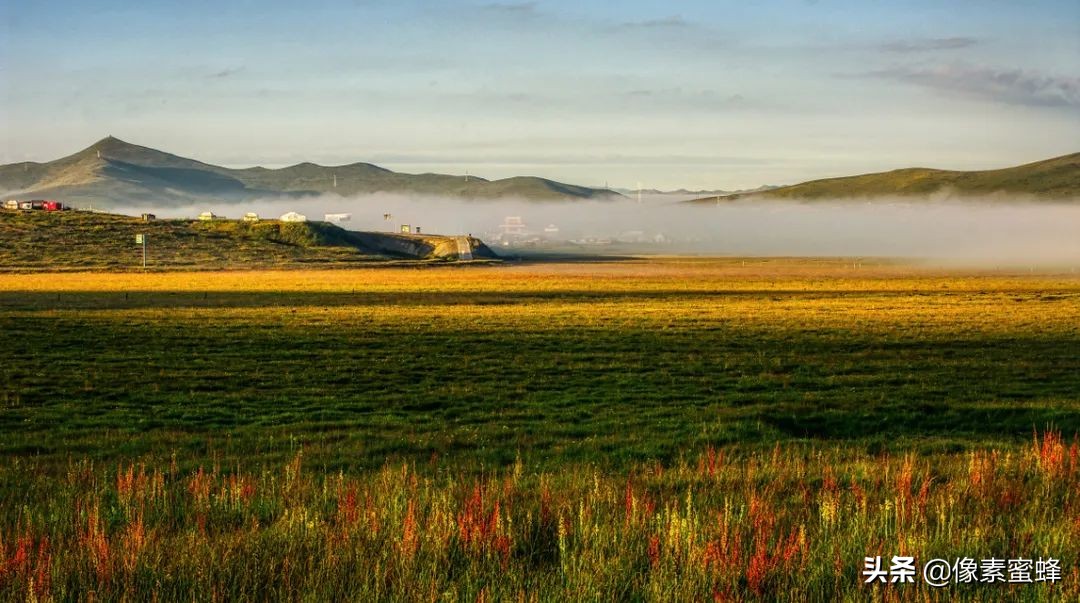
973, 232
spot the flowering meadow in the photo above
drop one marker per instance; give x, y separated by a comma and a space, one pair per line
791, 524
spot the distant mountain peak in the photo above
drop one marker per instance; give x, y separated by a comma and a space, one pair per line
109, 141
112, 147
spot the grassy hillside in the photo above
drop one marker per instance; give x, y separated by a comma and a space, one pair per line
113, 171
1057, 178
82, 241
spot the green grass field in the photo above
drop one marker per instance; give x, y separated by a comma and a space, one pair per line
534, 431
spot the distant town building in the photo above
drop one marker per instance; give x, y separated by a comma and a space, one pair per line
406, 229
148, 217
293, 217
208, 216
11, 204
251, 217
512, 225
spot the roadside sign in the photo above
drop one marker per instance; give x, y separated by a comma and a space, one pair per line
140, 239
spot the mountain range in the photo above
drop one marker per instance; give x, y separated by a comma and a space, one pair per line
114, 172
1051, 179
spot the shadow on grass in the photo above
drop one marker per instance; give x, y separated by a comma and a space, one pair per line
944, 420
141, 299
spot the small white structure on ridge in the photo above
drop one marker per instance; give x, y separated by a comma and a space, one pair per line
293, 217
336, 218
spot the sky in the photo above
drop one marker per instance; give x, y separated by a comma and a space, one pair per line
698, 95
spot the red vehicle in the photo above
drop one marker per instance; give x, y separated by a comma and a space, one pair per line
52, 206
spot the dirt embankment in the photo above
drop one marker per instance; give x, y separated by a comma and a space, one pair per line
424, 246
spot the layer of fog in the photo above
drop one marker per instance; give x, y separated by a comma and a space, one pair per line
971, 232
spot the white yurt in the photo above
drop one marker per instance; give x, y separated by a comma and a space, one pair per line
293, 217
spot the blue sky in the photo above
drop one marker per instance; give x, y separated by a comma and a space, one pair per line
691, 94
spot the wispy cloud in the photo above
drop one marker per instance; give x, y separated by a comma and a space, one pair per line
681, 98
511, 7
673, 22
226, 72
1010, 86
928, 44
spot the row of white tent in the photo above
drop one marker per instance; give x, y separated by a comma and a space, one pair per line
291, 216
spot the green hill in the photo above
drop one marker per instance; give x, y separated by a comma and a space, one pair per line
1051, 179
114, 172
72, 240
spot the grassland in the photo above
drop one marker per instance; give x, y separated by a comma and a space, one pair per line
679, 429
